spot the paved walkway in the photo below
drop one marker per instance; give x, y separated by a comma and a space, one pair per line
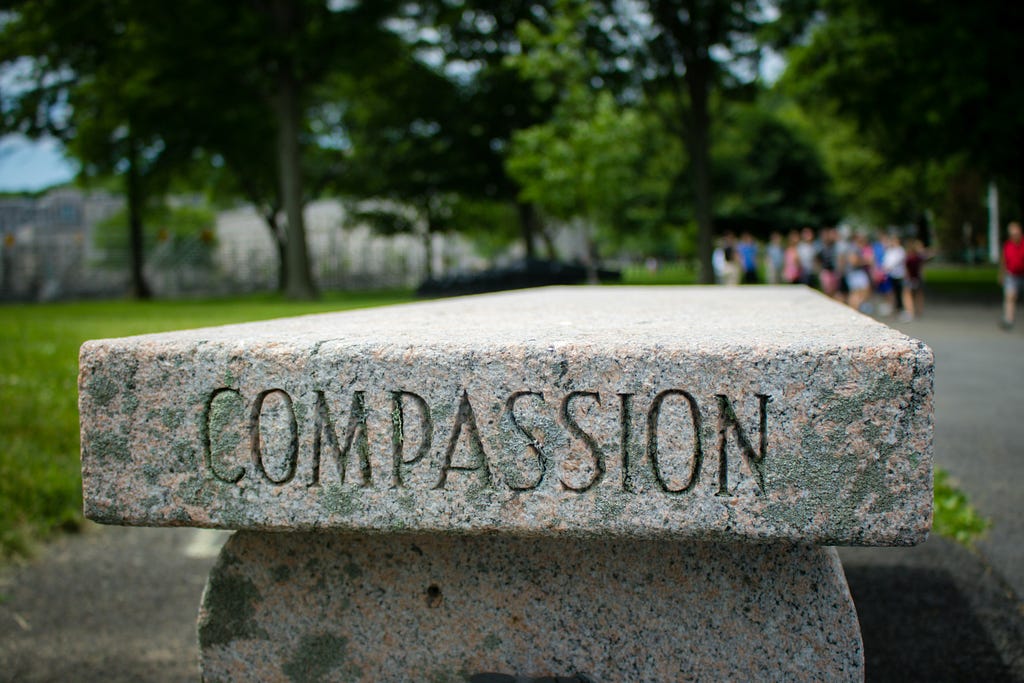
119, 604
979, 420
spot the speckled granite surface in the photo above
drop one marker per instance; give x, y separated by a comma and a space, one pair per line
682, 413
326, 607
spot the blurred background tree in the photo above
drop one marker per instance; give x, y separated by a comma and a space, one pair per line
656, 125
769, 173
92, 78
587, 160
930, 89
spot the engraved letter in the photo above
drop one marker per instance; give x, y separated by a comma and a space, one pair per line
755, 461
224, 413
652, 440
398, 433
625, 436
256, 436
531, 442
579, 433
355, 434
465, 416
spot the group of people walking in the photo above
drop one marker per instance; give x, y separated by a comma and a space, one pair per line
881, 274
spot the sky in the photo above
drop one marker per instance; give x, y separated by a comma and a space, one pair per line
29, 166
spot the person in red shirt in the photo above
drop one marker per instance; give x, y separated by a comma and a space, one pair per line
1011, 268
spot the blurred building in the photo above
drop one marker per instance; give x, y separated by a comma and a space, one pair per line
46, 245
48, 251
343, 257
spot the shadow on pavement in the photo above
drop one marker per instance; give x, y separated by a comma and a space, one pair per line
917, 625
936, 612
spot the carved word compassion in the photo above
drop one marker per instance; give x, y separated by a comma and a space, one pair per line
669, 453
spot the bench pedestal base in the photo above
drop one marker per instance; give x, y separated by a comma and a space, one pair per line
312, 607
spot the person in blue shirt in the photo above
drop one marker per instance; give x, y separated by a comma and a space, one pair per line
747, 249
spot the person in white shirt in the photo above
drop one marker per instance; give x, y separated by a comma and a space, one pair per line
894, 263
807, 252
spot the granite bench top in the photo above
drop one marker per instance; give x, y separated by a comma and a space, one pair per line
754, 413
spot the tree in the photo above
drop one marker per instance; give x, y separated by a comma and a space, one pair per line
693, 50
276, 56
141, 88
408, 146
868, 188
589, 159
926, 83
470, 42
93, 81
769, 172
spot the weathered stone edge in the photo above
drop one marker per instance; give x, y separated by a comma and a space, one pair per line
913, 532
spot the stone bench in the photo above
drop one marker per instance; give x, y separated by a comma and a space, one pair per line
617, 484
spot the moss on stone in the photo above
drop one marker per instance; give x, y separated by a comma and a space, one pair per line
230, 609
442, 676
151, 473
102, 389
108, 446
338, 501
318, 657
184, 455
281, 573
299, 408
129, 404
192, 492
226, 412
112, 513
609, 507
171, 419
492, 642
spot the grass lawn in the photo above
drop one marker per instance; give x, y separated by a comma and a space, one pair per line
666, 274
40, 483
954, 281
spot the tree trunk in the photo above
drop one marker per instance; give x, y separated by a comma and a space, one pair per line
549, 244
428, 253
699, 143
282, 260
527, 226
299, 283
136, 203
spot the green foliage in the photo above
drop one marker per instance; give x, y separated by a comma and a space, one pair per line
40, 490
594, 159
491, 225
429, 125
874, 190
581, 165
618, 163
870, 188
919, 83
769, 174
955, 517
146, 91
